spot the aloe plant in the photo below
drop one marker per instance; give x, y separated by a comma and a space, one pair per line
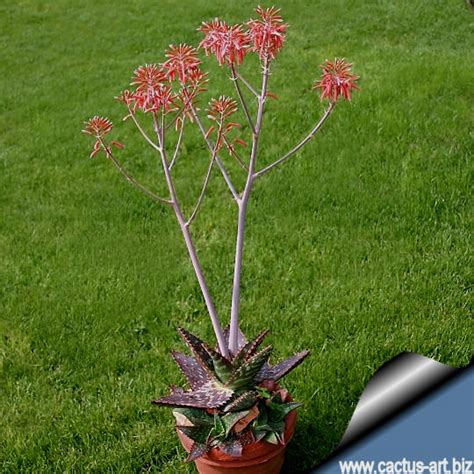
233, 396
233, 401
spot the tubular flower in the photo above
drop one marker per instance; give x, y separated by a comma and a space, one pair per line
228, 43
267, 33
99, 127
182, 63
197, 84
198, 80
337, 80
162, 98
148, 77
126, 97
186, 97
152, 91
219, 111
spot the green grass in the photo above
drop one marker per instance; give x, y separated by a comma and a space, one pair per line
358, 250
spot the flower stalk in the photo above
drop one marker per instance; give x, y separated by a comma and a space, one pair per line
242, 216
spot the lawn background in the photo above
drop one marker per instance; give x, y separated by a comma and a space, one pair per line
358, 249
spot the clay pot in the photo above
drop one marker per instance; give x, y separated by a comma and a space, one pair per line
257, 458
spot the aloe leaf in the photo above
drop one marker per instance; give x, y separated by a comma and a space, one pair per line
208, 396
199, 434
192, 370
277, 426
278, 371
271, 438
197, 450
246, 400
280, 436
222, 366
278, 412
249, 349
219, 429
197, 348
232, 448
246, 437
176, 390
263, 428
244, 376
196, 416
231, 419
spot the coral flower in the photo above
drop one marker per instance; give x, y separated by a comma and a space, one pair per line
99, 127
198, 79
267, 33
153, 91
160, 98
182, 63
337, 80
148, 77
219, 111
126, 97
188, 93
228, 43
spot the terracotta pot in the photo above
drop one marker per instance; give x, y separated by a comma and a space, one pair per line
257, 458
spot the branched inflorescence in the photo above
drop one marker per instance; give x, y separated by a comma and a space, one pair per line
233, 381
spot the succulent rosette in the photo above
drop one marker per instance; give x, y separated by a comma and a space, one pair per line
230, 402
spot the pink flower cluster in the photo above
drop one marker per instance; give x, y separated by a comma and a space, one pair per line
153, 84
268, 32
174, 85
230, 44
152, 91
337, 80
99, 127
219, 111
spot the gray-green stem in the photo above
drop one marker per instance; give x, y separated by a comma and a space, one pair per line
243, 204
190, 246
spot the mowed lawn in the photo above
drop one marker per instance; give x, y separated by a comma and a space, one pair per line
358, 249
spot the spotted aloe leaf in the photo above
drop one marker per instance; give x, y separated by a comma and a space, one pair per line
195, 416
219, 428
246, 400
198, 349
222, 366
192, 370
199, 434
232, 448
176, 390
247, 437
242, 424
197, 450
278, 371
270, 427
249, 349
208, 396
244, 375
278, 411
231, 419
